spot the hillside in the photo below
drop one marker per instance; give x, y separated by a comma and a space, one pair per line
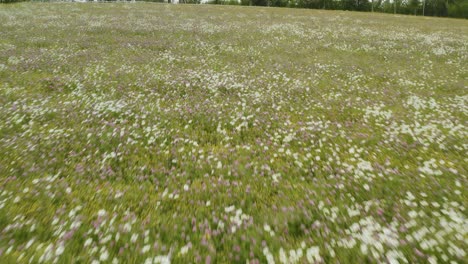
155, 133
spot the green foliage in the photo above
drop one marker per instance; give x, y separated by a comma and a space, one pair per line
260, 2
414, 5
450, 8
224, 2
279, 3
458, 9
11, 1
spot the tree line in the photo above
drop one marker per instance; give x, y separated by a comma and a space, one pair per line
442, 8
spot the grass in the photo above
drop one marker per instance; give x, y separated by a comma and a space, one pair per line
153, 133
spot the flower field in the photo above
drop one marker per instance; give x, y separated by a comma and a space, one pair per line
154, 133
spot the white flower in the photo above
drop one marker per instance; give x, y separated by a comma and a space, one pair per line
59, 250
364, 165
268, 255
106, 239
276, 176
432, 260
30, 242
104, 256
162, 259
134, 238
282, 256
101, 212
352, 212
393, 256
145, 249
288, 138
127, 227
88, 242
184, 249
229, 209
313, 254
412, 214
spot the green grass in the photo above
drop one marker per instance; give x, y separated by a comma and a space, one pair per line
337, 131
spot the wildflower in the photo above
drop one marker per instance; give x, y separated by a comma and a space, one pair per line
313, 254
229, 209
101, 212
145, 249
134, 238
104, 255
59, 250
185, 249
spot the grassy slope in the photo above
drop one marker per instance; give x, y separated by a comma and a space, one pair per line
130, 128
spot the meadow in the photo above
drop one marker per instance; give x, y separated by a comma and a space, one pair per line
155, 133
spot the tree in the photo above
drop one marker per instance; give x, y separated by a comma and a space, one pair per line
414, 5
259, 2
396, 5
458, 8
